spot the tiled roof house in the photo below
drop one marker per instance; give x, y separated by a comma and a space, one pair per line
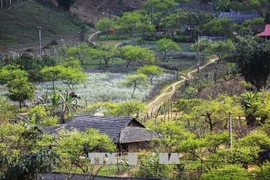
126, 132
239, 16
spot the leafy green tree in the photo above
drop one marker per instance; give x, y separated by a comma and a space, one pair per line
150, 168
20, 90
227, 172
264, 172
221, 48
104, 25
137, 54
253, 60
156, 9
219, 27
150, 71
106, 53
24, 152
52, 74
7, 111
129, 108
70, 73
165, 46
82, 52
134, 81
11, 72
74, 146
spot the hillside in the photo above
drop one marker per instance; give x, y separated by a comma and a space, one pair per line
20, 21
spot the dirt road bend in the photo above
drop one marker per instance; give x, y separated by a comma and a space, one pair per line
170, 90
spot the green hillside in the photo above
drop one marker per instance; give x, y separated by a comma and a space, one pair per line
19, 25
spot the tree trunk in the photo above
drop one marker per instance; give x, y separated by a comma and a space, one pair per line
134, 88
164, 56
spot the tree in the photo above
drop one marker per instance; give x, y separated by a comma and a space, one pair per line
128, 108
227, 172
165, 46
106, 53
70, 73
82, 52
150, 168
156, 9
7, 111
104, 25
219, 27
65, 4
137, 54
134, 81
221, 48
73, 147
20, 90
25, 152
11, 72
253, 60
52, 74
150, 72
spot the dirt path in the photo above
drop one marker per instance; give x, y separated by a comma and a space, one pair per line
170, 90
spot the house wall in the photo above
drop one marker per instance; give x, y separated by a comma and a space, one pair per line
137, 146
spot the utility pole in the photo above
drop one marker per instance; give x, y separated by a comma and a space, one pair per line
198, 55
230, 129
39, 38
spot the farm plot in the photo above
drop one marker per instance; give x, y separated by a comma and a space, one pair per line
101, 87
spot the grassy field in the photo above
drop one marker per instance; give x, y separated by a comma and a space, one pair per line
19, 25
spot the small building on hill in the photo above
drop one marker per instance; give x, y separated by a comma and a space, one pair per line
266, 32
126, 132
239, 16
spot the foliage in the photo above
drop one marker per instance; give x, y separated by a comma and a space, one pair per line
150, 168
227, 172
20, 90
220, 27
137, 54
7, 111
150, 72
24, 152
104, 25
253, 60
166, 45
134, 81
11, 72
70, 73
74, 146
221, 48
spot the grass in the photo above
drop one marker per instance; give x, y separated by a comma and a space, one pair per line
19, 24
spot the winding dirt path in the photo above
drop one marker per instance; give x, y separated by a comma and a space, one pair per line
170, 90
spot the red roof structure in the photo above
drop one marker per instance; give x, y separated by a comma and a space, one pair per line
266, 32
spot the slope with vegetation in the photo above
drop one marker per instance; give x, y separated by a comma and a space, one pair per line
19, 25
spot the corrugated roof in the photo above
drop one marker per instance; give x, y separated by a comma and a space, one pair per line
266, 32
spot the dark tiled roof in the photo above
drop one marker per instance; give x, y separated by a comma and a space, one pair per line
50, 129
60, 176
239, 16
111, 126
137, 134
198, 6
